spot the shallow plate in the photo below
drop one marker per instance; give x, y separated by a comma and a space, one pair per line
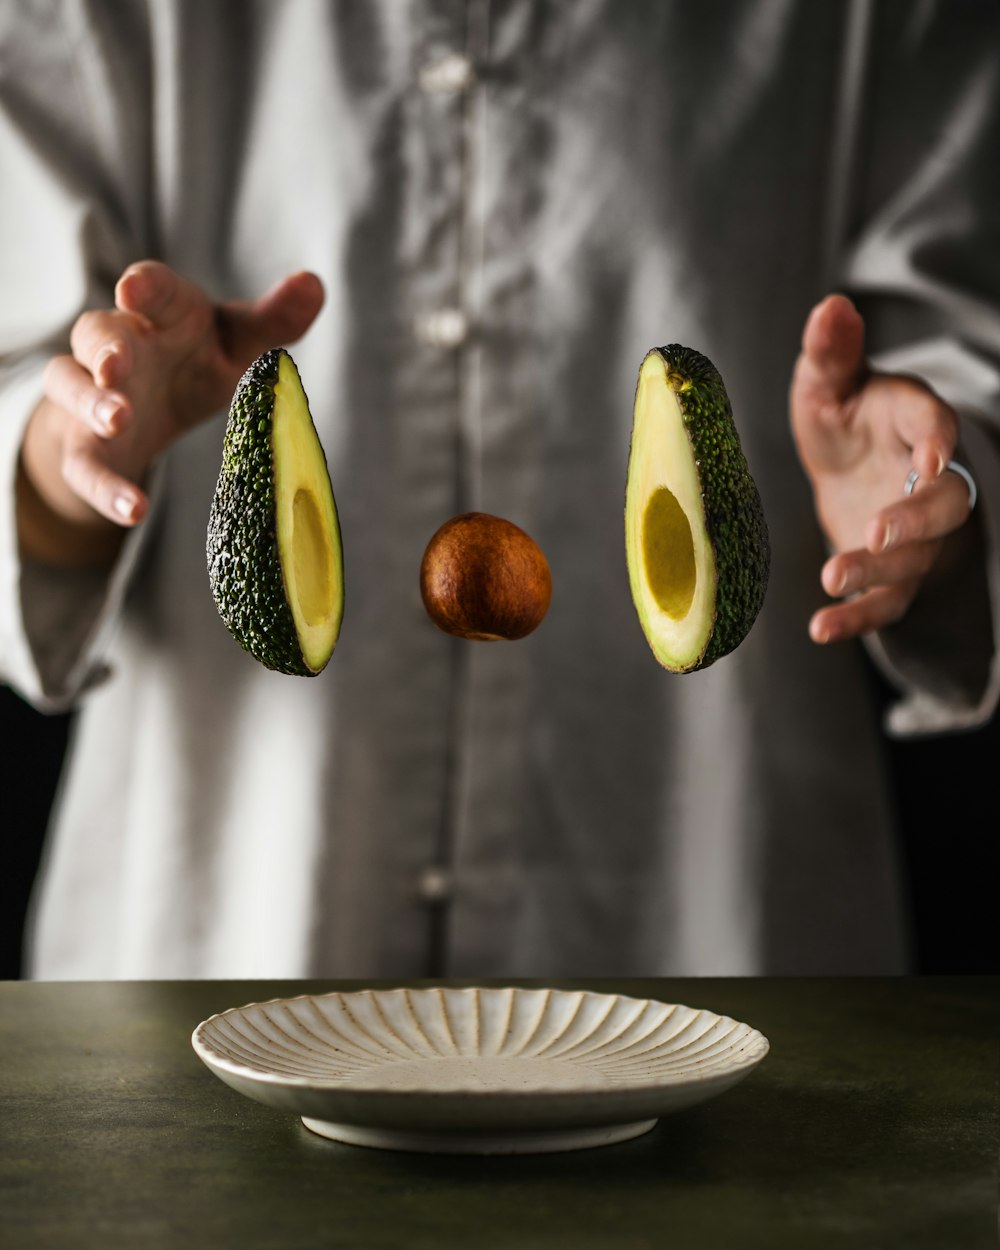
477, 1070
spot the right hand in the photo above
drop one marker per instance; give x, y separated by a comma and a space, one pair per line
140, 375
858, 434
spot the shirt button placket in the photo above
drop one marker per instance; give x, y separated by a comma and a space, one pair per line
435, 884
443, 328
447, 74
443, 74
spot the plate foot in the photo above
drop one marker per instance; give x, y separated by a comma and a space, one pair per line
513, 1143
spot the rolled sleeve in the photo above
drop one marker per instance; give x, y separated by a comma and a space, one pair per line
74, 117
944, 656
920, 258
56, 624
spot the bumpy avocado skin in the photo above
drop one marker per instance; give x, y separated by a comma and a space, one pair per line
244, 566
734, 514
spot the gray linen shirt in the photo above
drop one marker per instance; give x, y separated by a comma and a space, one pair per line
509, 202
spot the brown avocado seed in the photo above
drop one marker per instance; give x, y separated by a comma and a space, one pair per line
484, 578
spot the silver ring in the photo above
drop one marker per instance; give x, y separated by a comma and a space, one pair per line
952, 467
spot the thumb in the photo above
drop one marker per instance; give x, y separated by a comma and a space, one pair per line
280, 316
831, 364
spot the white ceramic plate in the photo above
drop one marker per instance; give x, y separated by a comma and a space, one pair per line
477, 1070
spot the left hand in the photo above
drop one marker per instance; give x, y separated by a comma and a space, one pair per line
858, 435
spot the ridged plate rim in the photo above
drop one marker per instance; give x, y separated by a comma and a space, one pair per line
753, 1048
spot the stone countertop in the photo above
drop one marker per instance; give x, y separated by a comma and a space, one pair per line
873, 1122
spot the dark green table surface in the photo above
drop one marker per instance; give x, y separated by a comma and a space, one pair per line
872, 1123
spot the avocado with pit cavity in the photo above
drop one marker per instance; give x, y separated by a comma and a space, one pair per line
696, 540
275, 558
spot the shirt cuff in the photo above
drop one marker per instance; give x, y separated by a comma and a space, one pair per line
56, 625
944, 655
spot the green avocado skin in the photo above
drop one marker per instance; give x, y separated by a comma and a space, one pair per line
244, 566
734, 514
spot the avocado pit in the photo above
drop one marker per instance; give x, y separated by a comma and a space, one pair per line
482, 578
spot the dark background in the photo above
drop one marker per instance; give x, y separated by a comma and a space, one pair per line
948, 833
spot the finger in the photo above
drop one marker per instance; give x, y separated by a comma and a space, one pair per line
280, 316
152, 290
72, 387
935, 509
850, 572
103, 342
831, 365
93, 480
875, 609
932, 453
920, 419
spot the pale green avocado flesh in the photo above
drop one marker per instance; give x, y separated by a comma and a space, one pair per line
274, 549
696, 541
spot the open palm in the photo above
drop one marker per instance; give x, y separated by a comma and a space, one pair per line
143, 373
858, 434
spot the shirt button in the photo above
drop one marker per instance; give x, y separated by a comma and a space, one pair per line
434, 885
442, 327
448, 74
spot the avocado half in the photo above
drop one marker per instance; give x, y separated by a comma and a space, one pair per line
275, 559
696, 540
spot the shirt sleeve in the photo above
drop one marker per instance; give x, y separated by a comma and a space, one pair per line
922, 261
73, 214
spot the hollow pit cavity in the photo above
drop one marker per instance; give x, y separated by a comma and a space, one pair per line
668, 553
312, 559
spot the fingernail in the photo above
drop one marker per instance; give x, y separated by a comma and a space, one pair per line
849, 582
102, 362
105, 410
940, 465
124, 507
888, 537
